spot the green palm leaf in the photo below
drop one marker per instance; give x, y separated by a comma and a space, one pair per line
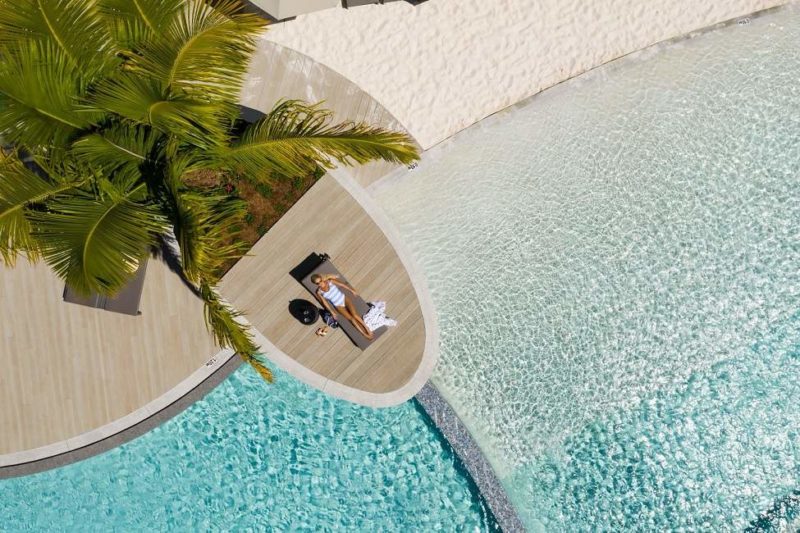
141, 100
203, 228
121, 151
73, 26
222, 322
204, 52
21, 188
39, 96
294, 137
95, 241
134, 22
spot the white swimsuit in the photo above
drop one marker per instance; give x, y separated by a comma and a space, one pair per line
334, 295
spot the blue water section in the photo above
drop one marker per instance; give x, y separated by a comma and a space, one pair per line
258, 457
615, 265
682, 456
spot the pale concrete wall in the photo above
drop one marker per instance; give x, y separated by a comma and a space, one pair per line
281, 9
445, 64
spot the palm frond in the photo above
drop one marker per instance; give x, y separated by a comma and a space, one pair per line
295, 137
95, 240
21, 188
134, 22
204, 229
204, 52
39, 96
142, 100
73, 26
258, 366
222, 322
120, 151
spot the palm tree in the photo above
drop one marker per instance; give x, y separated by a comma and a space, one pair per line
108, 107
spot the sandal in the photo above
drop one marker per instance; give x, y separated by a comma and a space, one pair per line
321, 332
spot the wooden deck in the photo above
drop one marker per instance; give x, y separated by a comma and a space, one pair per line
71, 374
69, 369
303, 78
328, 219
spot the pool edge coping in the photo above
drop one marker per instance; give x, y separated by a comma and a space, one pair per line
122, 430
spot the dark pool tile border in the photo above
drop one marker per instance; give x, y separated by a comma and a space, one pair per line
128, 434
455, 432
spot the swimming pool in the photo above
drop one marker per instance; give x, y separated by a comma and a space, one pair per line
616, 268
255, 457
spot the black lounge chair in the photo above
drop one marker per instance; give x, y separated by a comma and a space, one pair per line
326, 267
126, 302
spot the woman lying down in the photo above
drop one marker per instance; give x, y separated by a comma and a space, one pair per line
331, 294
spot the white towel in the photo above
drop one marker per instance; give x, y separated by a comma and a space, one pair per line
376, 316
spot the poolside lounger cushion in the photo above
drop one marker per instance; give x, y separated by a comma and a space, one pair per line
326, 267
126, 302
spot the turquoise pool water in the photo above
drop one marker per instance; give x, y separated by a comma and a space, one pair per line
253, 457
616, 268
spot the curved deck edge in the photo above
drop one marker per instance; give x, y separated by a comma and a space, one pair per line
431, 351
127, 428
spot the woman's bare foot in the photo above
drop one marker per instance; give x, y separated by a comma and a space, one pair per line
367, 333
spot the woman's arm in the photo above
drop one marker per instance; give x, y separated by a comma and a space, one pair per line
344, 286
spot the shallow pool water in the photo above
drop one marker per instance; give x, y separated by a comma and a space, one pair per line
254, 457
616, 268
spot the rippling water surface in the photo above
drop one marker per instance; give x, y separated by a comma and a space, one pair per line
616, 267
253, 457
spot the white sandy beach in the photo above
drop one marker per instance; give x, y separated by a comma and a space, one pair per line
446, 64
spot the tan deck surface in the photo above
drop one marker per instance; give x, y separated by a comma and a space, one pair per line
303, 78
327, 219
68, 369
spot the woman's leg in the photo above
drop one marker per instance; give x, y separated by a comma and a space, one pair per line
360, 321
354, 319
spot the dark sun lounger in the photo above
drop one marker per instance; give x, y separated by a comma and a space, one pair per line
326, 267
126, 302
